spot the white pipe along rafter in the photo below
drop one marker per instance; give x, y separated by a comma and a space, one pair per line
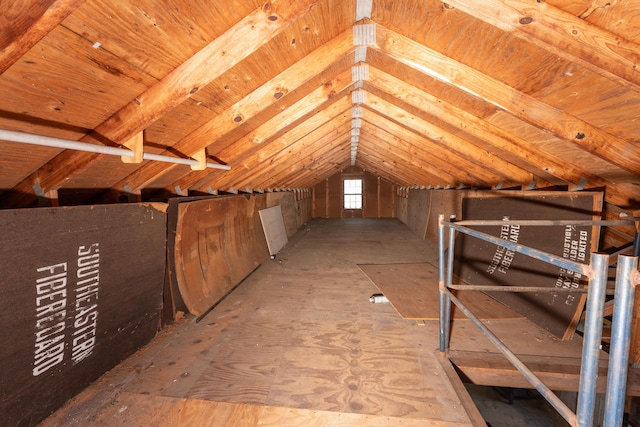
47, 141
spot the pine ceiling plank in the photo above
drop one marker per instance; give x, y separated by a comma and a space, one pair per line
413, 173
305, 155
278, 123
309, 161
237, 43
268, 94
261, 138
269, 165
24, 24
156, 36
615, 150
364, 163
566, 35
230, 48
389, 138
64, 81
329, 168
482, 157
16, 161
339, 104
412, 141
507, 140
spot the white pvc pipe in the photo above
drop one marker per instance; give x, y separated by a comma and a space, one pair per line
47, 141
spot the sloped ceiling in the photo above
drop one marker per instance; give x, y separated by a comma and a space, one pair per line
492, 93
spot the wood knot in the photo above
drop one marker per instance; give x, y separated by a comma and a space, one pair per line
526, 20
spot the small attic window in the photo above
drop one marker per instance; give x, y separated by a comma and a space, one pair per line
353, 194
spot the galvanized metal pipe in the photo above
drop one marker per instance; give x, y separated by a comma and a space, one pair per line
545, 391
448, 280
47, 141
544, 222
515, 288
592, 339
444, 301
526, 250
620, 340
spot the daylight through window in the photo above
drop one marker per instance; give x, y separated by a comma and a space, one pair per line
353, 194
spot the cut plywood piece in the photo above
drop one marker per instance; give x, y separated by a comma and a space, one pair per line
482, 263
418, 212
274, 229
218, 243
412, 289
287, 204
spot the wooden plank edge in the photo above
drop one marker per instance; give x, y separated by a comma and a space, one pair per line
465, 399
562, 374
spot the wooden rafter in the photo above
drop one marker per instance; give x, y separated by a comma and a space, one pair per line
268, 168
620, 195
33, 30
480, 158
237, 43
423, 153
275, 89
563, 34
615, 150
256, 139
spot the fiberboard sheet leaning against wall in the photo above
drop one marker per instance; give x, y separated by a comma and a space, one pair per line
80, 290
482, 263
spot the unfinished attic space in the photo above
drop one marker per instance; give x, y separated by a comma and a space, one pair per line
319, 213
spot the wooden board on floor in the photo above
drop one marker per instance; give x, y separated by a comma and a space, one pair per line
558, 373
412, 289
143, 409
81, 289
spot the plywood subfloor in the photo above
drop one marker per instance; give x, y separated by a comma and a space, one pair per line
299, 343
412, 289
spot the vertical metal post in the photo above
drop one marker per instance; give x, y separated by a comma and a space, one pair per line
443, 298
592, 339
620, 340
448, 281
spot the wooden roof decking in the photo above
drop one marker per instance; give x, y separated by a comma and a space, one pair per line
467, 92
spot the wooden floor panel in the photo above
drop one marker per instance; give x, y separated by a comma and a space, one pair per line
299, 343
412, 289
131, 409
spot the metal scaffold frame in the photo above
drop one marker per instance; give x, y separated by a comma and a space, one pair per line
627, 277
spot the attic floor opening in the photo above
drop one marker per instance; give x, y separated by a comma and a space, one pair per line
299, 343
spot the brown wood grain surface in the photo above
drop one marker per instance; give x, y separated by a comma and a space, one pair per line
412, 289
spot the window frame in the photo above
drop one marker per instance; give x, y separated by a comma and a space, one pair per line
346, 194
